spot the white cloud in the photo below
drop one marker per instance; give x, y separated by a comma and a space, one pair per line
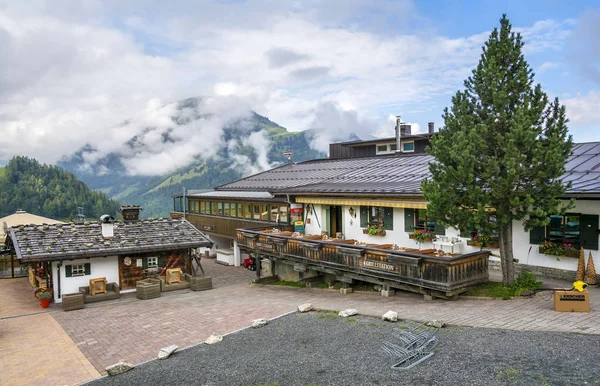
100, 73
583, 110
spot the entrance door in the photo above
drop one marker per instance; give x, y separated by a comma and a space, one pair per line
335, 220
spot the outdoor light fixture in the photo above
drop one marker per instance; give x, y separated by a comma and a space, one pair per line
352, 212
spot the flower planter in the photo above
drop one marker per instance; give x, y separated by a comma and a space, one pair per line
426, 239
490, 244
45, 302
574, 254
380, 233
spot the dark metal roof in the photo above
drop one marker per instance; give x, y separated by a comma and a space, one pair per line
393, 174
79, 241
415, 136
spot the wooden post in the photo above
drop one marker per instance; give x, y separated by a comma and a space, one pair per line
257, 259
12, 265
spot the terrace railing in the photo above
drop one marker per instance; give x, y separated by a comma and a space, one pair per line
424, 273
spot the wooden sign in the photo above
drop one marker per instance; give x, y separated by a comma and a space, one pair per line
379, 265
264, 246
208, 228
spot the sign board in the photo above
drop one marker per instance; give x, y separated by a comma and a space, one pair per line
299, 226
379, 265
208, 228
295, 208
264, 246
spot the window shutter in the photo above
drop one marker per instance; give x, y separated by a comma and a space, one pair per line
388, 219
68, 271
439, 229
364, 216
409, 220
588, 231
162, 261
537, 235
145, 263
88, 268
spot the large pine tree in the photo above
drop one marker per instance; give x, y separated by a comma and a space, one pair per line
501, 155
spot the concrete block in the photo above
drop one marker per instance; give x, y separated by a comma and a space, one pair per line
346, 291
387, 293
427, 297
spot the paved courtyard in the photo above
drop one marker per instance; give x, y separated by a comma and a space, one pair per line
133, 330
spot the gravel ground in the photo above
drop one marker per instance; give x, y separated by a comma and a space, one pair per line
322, 349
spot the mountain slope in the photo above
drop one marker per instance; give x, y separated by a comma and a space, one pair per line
48, 191
240, 146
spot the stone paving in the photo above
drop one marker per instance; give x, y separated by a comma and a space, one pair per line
134, 330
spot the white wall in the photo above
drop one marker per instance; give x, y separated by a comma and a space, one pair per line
107, 267
521, 246
313, 228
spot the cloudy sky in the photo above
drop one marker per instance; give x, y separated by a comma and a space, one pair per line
72, 72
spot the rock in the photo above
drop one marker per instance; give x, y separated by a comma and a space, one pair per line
391, 316
305, 307
214, 338
166, 352
118, 368
435, 323
259, 322
348, 312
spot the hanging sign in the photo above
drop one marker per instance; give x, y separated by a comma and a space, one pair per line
299, 227
295, 208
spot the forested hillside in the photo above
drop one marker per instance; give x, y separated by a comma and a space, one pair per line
48, 191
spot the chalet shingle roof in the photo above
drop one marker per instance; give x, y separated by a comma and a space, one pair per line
392, 175
76, 241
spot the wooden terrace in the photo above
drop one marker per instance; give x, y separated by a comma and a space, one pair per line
409, 269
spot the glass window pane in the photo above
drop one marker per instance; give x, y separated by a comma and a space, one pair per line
214, 208
240, 210
220, 208
248, 212
203, 207
256, 215
274, 213
264, 213
408, 146
381, 148
233, 209
283, 214
226, 209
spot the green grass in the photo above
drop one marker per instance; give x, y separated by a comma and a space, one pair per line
524, 282
328, 315
321, 285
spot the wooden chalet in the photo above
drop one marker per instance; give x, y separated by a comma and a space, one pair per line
64, 257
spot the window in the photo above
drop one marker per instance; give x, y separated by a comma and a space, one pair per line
219, 209
233, 206
256, 215
203, 207
382, 148
240, 210
422, 222
213, 208
283, 214
377, 216
78, 270
226, 210
393, 147
408, 147
417, 219
152, 262
264, 214
248, 212
274, 213
564, 229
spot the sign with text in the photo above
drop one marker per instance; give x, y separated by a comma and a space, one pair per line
264, 246
379, 265
295, 208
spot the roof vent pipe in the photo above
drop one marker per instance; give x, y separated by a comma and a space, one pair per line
431, 127
398, 133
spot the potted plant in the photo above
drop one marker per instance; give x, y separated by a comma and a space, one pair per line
374, 230
558, 250
421, 236
45, 298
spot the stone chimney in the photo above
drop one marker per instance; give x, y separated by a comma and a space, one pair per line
131, 212
431, 127
107, 226
398, 133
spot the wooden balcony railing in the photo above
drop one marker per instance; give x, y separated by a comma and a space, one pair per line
420, 272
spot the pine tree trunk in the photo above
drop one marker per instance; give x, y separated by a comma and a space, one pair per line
506, 254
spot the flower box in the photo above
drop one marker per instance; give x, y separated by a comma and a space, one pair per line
489, 244
567, 254
412, 237
380, 233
